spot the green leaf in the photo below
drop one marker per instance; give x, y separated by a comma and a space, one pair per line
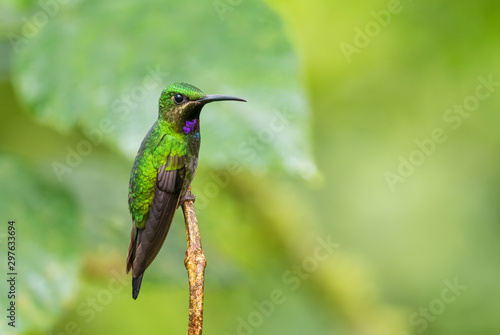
46, 244
96, 61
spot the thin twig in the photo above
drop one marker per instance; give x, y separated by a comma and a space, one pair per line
195, 263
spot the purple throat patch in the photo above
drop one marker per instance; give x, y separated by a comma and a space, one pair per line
190, 126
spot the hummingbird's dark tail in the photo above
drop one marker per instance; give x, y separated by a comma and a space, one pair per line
136, 285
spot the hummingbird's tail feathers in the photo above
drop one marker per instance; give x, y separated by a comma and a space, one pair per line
136, 286
131, 248
135, 239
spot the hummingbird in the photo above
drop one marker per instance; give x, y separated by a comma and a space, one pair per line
162, 172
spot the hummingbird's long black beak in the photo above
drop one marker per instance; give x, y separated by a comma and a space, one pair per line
216, 97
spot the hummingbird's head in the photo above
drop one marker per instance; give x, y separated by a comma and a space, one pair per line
180, 105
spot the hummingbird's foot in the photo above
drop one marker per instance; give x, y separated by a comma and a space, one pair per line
188, 196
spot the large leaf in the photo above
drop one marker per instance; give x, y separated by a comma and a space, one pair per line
98, 60
47, 233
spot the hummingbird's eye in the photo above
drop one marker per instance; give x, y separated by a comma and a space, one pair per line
178, 98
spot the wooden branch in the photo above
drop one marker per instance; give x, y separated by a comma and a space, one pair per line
195, 263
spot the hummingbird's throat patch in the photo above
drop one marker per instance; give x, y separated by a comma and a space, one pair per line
190, 126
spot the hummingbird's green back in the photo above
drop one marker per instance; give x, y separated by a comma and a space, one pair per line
151, 156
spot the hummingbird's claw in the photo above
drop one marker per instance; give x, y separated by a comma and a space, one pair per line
188, 196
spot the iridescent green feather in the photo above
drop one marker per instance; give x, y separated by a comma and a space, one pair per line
160, 143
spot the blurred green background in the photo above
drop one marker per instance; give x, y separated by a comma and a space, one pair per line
336, 147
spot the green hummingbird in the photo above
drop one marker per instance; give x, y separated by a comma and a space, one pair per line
163, 170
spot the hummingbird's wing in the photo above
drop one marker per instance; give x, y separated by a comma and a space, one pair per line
147, 241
